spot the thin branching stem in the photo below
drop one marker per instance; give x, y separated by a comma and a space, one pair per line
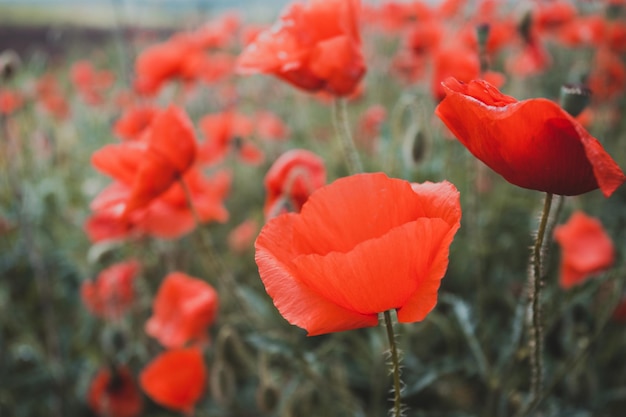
395, 366
350, 153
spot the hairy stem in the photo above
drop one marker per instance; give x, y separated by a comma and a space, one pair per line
534, 299
350, 154
395, 366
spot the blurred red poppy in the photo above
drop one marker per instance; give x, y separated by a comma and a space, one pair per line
90, 83
532, 143
586, 249
360, 246
290, 181
182, 311
168, 216
10, 101
134, 122
241, 237
370, 123
112, 293
113, 393
151, 166
175, 379
270, 127
314, 46
224, 132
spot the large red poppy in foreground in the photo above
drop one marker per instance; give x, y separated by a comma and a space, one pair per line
586, 249
360, 246
314, 46
532, 143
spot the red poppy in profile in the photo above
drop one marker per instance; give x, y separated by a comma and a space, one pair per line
90, 83
224, 132
291, 180
168, 216
461, 63
113, 393
370, 123
150, 167
175, 379
134, 122
10, 101
586, 249
532, 143
182, 311
51, 98
314, 46
241, 237
270, 127
360, 246
112, 293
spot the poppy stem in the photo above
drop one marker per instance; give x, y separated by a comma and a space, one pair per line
395, 366
534, 299
350, 153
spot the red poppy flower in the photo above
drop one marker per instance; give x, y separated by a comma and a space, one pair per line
315, 47
168, 216
370, 123
242, 236
360, 246
134, 121
586, 249
270, 127
10, 101
114, 394
291, 179
532, 143
224, 132
182, 311
175, 379
112, 293
151, 167
51, 98
89, 82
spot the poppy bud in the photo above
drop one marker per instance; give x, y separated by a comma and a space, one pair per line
525, 26
574, 98
10, 62
482, 33
267, 397
223, 383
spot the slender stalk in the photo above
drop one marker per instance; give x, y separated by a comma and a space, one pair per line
395, 366
350, 154
215, 265
534, 299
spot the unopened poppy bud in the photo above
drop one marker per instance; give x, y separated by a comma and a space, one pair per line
574, 98
223, 383
482, 34
614, 9
267, 397
525, 26
10, 62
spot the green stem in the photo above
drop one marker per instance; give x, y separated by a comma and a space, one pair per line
350, 154
395, 365
214, 263
536, 328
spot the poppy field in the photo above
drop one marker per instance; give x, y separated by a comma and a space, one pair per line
398, 208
